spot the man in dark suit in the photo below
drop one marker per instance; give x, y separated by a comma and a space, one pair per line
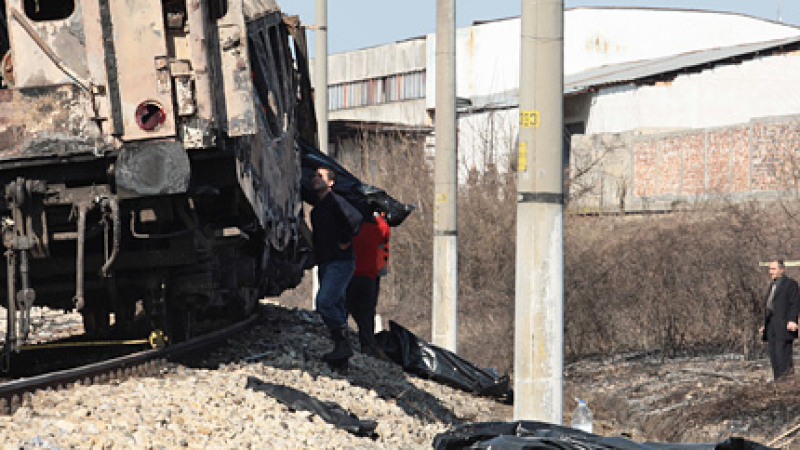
780, 321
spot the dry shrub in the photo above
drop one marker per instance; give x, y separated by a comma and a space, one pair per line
486, 264
672, 284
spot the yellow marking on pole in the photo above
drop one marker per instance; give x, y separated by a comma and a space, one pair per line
529, 119
441, 197
522, 156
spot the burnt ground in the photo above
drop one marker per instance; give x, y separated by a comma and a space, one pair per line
701, 399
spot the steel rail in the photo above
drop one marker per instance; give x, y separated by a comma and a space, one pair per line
13, 393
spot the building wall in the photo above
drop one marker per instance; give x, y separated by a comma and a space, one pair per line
632, 171
722, 95
409, 112
487, 63
636, 171
487, 54
375, 63
378, 61
602, 36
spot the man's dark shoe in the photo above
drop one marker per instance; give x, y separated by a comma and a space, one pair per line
341, 349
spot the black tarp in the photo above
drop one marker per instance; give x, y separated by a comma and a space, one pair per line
363, 196
330, 412
430, 361
529, 435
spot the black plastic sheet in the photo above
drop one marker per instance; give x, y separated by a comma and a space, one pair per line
430, 361
330, 412
365, 197
525, 435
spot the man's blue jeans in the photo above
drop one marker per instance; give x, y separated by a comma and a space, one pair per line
334, 276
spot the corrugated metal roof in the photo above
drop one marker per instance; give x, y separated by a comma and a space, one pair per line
646, 8
669, 65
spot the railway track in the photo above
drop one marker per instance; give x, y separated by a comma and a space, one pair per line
14, 393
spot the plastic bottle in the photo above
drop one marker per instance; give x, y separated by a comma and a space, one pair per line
582, 417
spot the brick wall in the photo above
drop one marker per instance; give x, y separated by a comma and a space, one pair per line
658, 170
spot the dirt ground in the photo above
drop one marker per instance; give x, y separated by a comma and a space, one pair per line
701, 399
643, 397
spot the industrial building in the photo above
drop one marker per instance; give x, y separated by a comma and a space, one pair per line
662, 106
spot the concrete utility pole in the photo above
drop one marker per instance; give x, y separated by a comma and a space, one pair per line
445, 238
539, 316
321, 74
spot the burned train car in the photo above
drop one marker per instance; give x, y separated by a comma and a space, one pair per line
149, 159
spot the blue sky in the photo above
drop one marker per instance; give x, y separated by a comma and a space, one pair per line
354, 24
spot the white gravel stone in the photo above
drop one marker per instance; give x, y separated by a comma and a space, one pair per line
187, 407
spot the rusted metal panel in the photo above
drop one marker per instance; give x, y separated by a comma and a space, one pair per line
236, 81
185, 100
35, 41
95, 63
198, 130
268, 163
253, 9
45, 122
306, 120
142, 67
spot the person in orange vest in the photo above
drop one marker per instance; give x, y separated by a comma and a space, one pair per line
371, 246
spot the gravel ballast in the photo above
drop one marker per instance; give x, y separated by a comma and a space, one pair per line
205, 403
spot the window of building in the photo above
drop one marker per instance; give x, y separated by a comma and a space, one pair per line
376, 91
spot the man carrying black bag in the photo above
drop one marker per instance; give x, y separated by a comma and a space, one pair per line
334, 222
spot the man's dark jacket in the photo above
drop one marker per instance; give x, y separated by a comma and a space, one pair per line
334, 222
785, 306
